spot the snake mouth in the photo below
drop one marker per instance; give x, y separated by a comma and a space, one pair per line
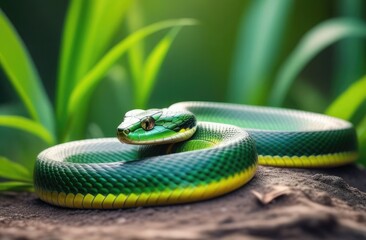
122, 134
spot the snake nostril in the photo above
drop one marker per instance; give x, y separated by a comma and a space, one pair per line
122, 132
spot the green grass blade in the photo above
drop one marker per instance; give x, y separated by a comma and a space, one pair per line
361, 132
151, 68
311, 44
16, 186
27, 125
19, 68
136, 53
89, 28
349, 64
260, 34
80, 95
14, 171
71, 40
114, 90
307, 97
106, 19
346, 105
350, 105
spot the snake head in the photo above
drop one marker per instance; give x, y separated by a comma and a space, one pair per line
156, 126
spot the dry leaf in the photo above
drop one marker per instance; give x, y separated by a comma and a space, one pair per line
277, 191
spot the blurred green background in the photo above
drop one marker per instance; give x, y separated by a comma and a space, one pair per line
307, 55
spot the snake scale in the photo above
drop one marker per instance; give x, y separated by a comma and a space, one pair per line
188, 152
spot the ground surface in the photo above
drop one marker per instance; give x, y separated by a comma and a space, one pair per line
307, 204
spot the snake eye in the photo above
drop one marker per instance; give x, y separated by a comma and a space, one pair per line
148, 123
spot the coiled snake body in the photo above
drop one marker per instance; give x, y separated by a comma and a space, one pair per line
161, 166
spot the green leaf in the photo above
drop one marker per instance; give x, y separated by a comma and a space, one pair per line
81, 94
346, 105
310, 45
350, 105
14, 171
348, 62
307, 97
144, 73
260, 34
27, 125
361, 132
114, 90
90, 27
22, 74
15, 186
136, 53
151, 68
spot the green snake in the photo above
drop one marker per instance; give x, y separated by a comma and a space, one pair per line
188, 152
